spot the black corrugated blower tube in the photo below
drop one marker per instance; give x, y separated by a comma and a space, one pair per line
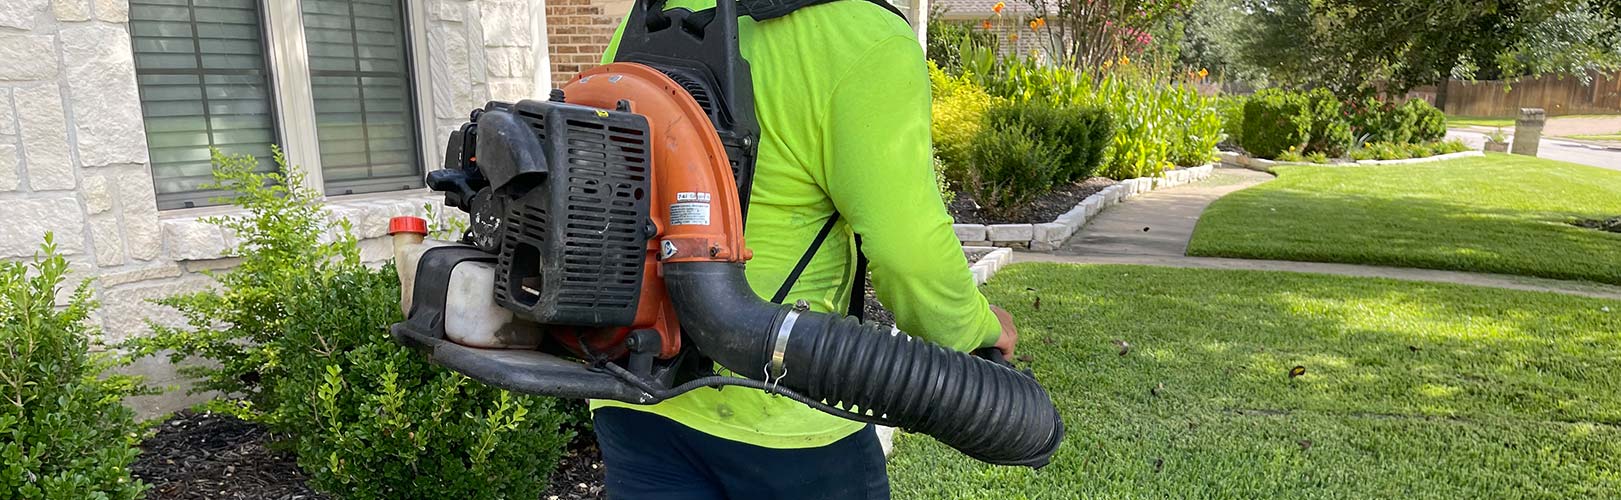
986, 410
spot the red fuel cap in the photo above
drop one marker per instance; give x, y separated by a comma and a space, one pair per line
408, 224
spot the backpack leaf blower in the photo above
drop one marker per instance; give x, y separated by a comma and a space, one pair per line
604, 259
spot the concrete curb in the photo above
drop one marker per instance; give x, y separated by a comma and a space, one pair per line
1049, 236
983, 270
1232, 159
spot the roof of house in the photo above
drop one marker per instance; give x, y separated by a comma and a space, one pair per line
979, 9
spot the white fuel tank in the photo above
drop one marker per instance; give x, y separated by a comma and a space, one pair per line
472, 317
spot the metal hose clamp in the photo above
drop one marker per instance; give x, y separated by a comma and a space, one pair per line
779, 350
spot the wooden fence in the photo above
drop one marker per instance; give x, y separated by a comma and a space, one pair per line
1558, 96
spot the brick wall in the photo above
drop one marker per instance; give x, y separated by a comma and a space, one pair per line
578, 32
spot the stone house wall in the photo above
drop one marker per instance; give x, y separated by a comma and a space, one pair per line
74, 159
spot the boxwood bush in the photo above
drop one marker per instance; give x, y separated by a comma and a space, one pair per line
63, 432
1076, 135
1012, 166
1429, 123
298, 332
1276, 121
1330, 133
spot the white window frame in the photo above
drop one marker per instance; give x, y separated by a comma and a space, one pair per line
295, 98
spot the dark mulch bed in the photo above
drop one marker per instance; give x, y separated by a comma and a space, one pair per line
207, 456
199, 456
579, 477
1612, 225
1044, 209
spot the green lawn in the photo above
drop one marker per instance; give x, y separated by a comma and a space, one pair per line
1480, 121
1496, 214
1411, 389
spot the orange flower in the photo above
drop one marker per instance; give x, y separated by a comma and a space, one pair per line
1203, 72
1125, 60
986, 25
1034, 25
999, 6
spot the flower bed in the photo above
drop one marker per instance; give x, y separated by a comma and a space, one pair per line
1048, 236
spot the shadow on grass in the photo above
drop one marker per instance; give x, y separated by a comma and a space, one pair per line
1410, 389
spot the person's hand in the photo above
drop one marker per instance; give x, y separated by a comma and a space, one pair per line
1010, 334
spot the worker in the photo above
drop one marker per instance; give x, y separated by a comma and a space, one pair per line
842, 97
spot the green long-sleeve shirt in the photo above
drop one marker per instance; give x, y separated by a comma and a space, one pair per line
842, 97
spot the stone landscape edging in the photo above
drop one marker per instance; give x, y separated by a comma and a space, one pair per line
1264, 165
1048, 236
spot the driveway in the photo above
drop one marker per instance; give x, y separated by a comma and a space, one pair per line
1601, 156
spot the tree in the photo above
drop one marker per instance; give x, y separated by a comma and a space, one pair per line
1354, 45
1090, 33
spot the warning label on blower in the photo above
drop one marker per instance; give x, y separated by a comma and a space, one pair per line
689, 214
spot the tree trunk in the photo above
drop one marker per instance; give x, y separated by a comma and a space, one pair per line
1441, 93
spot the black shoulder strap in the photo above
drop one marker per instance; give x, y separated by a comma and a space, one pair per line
858, 293
804, 260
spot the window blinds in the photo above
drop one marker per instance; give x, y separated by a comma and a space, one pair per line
201, 70
363, 98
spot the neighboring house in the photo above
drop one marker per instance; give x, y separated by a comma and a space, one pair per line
108, 109
1013, 20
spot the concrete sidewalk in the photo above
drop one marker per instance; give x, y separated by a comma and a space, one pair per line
1159, 222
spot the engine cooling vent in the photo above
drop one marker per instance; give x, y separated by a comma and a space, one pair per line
573, 248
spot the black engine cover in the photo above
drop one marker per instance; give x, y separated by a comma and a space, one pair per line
571, 185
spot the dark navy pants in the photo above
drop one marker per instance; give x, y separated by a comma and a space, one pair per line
651, 457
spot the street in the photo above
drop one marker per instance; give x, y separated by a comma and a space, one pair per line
1554, 149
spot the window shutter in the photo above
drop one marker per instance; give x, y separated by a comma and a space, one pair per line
204, 83
364, 107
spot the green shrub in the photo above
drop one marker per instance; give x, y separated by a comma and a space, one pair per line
1274, 122
1429, 124
1231, 109
63, 432
1389, 151
1330, 132
1199, 128
946, 39
1317, 157
947, 195
1012, 167
1451, 146
1290, 156
1365, 152
298, 331
1145, 123
1076, 135
1375, 121
958, 112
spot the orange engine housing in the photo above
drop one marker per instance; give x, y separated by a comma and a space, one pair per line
694, 200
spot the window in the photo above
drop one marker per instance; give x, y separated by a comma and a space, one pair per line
362, 86
330, 79
201, 69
